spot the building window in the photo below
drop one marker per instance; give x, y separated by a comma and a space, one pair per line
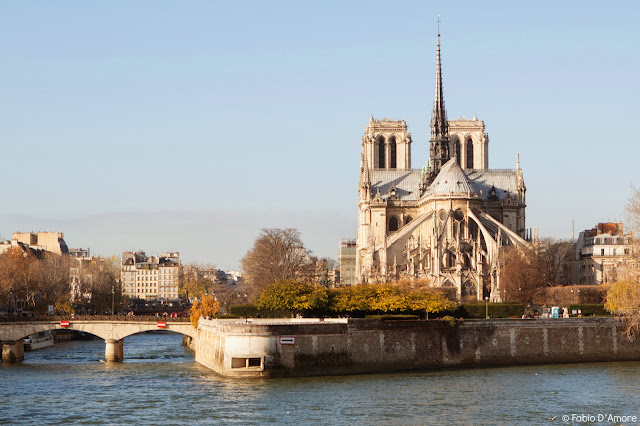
380, 153
392, 144
393, 224
469, 154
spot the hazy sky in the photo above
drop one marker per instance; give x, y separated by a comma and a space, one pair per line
191, 125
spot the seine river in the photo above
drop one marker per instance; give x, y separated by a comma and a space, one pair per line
159, 383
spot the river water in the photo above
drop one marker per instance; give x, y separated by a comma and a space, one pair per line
160, 383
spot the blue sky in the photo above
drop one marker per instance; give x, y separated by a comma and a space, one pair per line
190, 126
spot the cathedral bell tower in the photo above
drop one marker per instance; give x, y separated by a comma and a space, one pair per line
386, 145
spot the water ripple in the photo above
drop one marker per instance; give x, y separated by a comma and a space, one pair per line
159, 383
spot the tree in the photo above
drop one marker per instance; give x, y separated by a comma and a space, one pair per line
389, 298
55, 280
193, 283
294, 296
206, 306
354, 298
522, 275
276, 255
323, 268
623, 299
97, 283
555, 257
20, 273
428, 300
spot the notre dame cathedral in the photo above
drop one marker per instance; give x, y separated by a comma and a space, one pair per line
445, 222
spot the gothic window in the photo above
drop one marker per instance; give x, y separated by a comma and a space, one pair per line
473, 230
408, 219
442, 215
381, 153
393, 224
469, 154
458, 224
468, 289
392, 145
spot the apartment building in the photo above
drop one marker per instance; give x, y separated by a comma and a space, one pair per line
150, 277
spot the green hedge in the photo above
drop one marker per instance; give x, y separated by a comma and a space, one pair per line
496, 310
590, 310
469, 310
392, 317
252, 311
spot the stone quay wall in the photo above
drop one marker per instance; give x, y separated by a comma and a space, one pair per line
314, 347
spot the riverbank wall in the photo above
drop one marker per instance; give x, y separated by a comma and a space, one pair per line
313, 347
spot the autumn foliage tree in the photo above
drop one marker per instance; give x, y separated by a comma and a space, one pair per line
389, 298
206, 306
20, 276
623, 297
54, 286
98, 281
294, 296
193, 283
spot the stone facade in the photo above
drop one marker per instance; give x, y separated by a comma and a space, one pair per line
604, 254
37, 242
151, 278
347, 261
444, 223
354, 346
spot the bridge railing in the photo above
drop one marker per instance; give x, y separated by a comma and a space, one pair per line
119, 318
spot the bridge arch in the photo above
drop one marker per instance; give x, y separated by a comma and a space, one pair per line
12, 331
112, 332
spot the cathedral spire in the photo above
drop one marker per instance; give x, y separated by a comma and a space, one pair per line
439, 152
439, 125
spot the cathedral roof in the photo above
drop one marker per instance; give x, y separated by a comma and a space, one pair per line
405, 182
451, 180
502, 180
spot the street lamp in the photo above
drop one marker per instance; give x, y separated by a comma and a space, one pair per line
486, 299
113, 302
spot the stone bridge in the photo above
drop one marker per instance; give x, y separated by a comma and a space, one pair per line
112, 329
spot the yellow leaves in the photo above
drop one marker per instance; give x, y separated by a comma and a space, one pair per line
389, 298
296, 296
292, 295
207, 306
623, 298
63, 308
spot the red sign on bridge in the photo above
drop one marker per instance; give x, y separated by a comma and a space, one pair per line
161, 324
64, 323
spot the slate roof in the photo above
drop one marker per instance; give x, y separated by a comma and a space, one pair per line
407, 183
450, 180
504, 181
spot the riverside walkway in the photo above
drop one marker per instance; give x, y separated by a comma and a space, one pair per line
113, 329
